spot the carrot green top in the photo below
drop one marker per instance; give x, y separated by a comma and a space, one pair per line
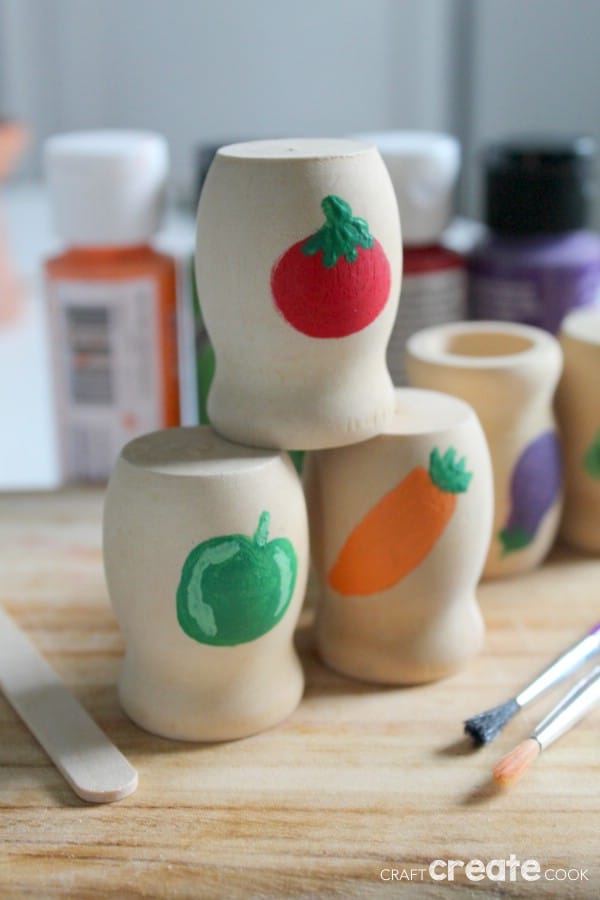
341, 235
447, 473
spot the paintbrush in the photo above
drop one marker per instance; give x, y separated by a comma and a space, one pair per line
565, 714
486, 725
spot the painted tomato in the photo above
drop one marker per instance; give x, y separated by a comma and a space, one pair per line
336, 281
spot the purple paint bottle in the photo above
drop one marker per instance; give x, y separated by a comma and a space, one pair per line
538, 261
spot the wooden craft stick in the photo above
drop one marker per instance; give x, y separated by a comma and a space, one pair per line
90, 763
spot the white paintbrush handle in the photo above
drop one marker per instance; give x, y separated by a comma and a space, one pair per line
562, 666
573, 707
90, 763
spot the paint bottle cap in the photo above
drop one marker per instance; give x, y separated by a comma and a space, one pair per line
107, 188
423, 166
539, 185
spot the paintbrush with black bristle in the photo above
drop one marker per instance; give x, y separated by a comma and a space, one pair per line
484, 727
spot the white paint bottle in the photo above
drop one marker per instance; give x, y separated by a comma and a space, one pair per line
423, 166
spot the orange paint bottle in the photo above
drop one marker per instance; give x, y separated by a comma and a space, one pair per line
112, 297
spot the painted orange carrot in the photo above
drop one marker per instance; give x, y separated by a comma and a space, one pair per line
398, 533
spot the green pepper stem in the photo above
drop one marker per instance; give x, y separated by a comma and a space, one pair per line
261, 535
341, 235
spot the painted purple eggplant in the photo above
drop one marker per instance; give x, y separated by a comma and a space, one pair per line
535, 485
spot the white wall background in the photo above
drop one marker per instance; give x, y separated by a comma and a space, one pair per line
203, 71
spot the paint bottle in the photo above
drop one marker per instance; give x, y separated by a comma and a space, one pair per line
112, 297
538, 261
423, 167
13, 139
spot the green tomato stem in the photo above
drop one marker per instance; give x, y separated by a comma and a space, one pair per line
341, 235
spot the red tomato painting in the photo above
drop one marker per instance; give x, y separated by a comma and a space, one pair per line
335, 282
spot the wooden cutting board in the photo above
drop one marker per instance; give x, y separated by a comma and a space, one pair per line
360, 781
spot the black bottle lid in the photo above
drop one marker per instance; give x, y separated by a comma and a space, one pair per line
539, 185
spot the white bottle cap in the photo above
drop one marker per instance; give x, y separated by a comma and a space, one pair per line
107, 188
423, 166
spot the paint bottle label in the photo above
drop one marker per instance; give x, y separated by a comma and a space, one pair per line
540, 297
107, 369
428, 298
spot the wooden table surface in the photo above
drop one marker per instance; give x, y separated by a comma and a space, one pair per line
358, 782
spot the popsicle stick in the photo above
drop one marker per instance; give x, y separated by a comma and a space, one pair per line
90, 763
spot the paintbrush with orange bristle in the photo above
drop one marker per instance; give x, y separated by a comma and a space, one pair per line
573, 707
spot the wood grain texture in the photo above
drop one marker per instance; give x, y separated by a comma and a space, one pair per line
359, 779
